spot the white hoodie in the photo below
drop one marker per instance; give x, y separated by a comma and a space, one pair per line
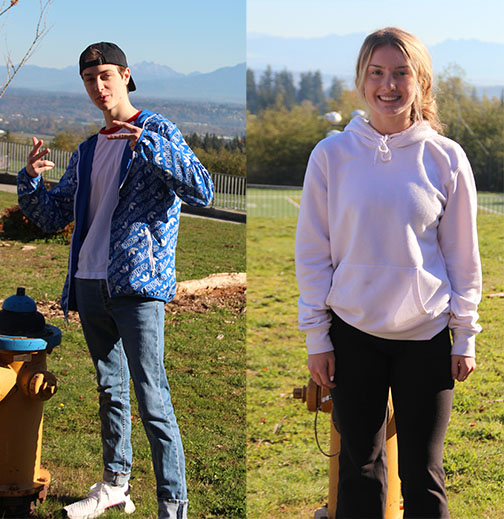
387, 239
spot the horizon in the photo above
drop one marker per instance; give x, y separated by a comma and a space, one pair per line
194, 36
336, 55
251, 34
131, 65
300, 31
432, 22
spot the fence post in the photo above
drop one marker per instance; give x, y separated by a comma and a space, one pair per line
8, 155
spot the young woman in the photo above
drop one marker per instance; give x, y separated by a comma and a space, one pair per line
387, 264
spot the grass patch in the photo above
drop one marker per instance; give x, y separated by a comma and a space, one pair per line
7, 199
208, 247
205, 362
286, 474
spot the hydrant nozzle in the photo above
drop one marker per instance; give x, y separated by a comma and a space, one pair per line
41, 385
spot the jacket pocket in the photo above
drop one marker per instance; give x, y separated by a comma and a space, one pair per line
382, 298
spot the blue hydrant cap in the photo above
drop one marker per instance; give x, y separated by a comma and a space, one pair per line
19, 316
19, 302
22, 328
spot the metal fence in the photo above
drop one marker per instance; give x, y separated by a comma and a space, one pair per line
229, 189
279, 201
273, 201
491, 203
13, 157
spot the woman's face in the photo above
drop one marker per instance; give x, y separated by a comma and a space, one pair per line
389, 89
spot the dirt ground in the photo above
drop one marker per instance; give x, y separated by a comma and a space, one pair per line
223, 290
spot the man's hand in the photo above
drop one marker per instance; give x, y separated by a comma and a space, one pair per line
35, 166
321, 366
133, 135
462, 367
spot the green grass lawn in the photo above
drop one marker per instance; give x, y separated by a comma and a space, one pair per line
205, 361
286, 475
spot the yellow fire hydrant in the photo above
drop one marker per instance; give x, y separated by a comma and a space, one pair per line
25, 384
318, 399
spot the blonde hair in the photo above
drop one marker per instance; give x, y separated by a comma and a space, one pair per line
424, 107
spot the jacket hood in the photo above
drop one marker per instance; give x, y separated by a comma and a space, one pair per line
384, 144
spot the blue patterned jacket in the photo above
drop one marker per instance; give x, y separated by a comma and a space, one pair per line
154, 178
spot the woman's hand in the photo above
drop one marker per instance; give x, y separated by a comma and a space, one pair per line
35, 166
321, 366
462, 367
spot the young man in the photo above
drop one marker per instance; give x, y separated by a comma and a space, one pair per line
123, 187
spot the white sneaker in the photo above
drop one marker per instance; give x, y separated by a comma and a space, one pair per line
101, 497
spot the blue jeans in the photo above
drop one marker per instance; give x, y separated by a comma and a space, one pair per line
125, 336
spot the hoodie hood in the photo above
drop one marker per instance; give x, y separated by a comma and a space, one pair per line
384, 144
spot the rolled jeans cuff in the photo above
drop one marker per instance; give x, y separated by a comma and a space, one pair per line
114, 479
172, 509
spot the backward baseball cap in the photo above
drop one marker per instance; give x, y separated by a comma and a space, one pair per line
108, 53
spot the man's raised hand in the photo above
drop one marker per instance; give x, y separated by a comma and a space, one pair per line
35, 165
133, 136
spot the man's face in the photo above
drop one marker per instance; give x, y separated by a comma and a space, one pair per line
105, 85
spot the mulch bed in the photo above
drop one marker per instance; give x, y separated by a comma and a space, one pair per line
232, 298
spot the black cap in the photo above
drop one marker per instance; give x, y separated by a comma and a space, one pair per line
101, 54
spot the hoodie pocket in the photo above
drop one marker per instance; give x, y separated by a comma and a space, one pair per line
377, 298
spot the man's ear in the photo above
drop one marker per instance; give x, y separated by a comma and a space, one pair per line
127, 75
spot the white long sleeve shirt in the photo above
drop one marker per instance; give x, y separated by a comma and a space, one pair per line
387, 238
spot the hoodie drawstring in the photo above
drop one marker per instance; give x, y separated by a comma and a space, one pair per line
384, 144
383, 150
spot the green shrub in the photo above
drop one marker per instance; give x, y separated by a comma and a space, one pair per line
14, 225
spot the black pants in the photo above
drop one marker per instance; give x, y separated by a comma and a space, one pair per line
419, 375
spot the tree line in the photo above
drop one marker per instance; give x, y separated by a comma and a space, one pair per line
280, 89
211, 141
281, 134
218, 154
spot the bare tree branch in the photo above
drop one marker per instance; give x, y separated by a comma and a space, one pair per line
40, 31
5, 9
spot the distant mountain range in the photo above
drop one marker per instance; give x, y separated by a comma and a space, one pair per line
336, 56
333, 55
225, 84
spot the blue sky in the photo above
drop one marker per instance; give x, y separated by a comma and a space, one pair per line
188, 35
431, 20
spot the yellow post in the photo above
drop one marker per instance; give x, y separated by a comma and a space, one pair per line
332, 501
314, 396
393, 507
